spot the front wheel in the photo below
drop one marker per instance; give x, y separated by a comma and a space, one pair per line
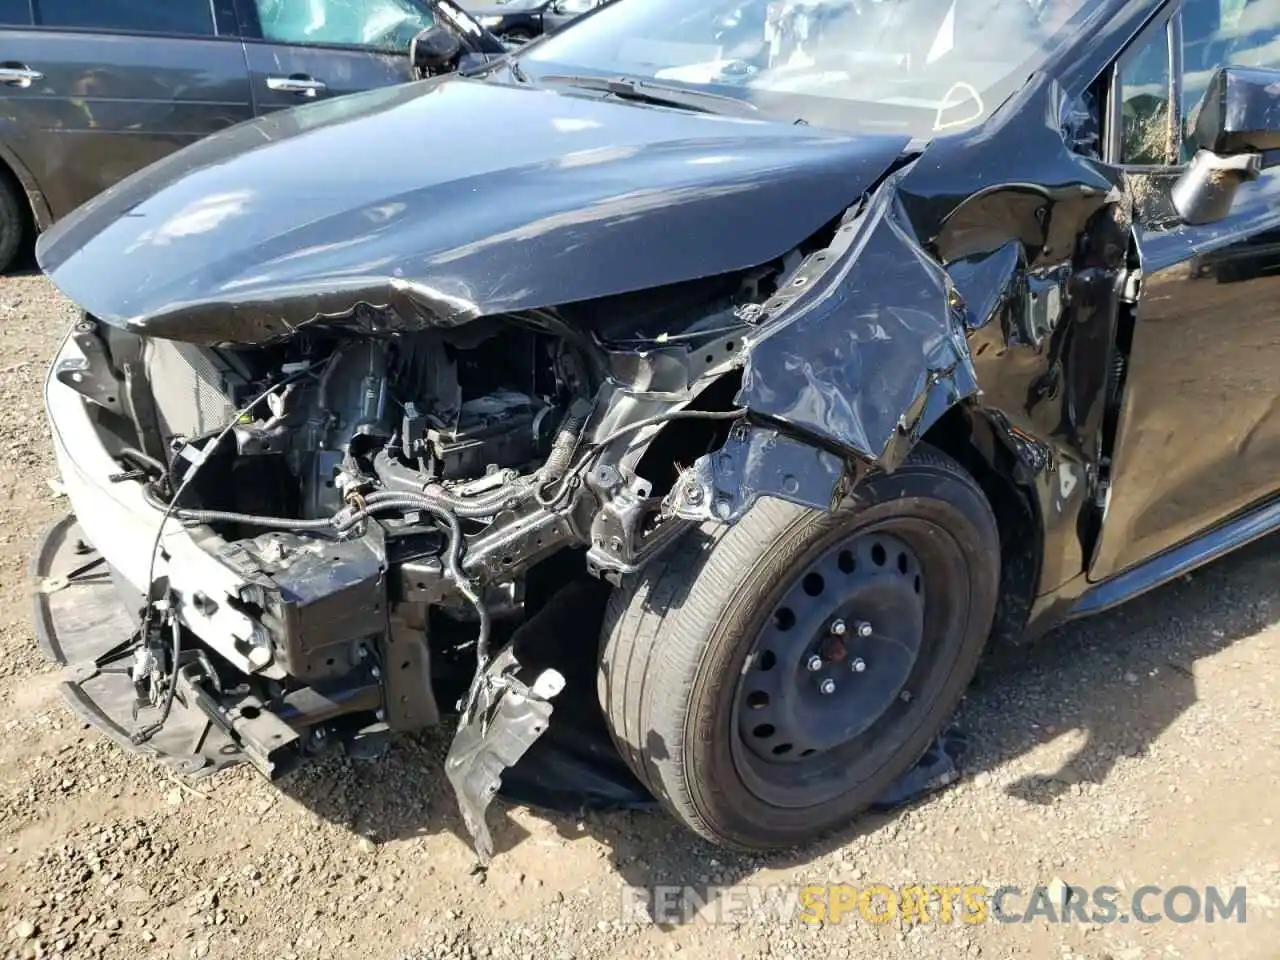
13, 222
769, 681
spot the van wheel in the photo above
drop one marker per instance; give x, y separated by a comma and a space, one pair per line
13, 222
770, 680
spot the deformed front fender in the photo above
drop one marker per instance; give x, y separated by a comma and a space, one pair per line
865, 346
861, 351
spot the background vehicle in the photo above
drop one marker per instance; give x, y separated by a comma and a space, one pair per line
519, 21
562, 12
93, 90
826, 354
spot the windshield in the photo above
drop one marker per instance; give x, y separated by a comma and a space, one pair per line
914, 66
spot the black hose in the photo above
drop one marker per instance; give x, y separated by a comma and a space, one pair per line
653, 421
136, 455
339, 522
598, 447
227, 516
470, 508
404, 480
566, 441
464, 507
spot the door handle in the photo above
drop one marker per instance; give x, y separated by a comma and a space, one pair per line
19, 75
299, 83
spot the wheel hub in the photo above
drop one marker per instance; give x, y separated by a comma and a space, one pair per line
837, 651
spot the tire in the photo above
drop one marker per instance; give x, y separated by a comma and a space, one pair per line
13, 222
684, 641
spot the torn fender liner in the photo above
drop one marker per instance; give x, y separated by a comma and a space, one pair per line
865, 347
500, 721
575, 766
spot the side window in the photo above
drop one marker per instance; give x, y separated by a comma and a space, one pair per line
1146, 91
15, 13
1238, 33
379, 24
1214, 33
178, 17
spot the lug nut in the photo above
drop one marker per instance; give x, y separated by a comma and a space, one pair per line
859, 665
839, 628
864, 629
827, 687
814, 664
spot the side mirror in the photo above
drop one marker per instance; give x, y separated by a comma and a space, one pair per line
435, 50
1237, 136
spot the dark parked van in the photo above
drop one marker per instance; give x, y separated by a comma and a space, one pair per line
93, 90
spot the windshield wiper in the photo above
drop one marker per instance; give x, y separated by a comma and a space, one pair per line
659, 94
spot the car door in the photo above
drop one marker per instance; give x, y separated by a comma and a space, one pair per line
93, 90
301, 50
1198, 435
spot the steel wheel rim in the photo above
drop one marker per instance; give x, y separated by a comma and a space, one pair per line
876, 576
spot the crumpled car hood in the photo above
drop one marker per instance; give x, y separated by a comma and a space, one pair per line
440, 201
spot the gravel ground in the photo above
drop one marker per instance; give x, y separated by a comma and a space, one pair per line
1137, 748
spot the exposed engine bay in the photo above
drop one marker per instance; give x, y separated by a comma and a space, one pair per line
396, 505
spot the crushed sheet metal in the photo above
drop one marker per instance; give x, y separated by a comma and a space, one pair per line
754, 462
865, 347
502, 719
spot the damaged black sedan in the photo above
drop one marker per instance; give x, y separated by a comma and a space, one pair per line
833, 341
